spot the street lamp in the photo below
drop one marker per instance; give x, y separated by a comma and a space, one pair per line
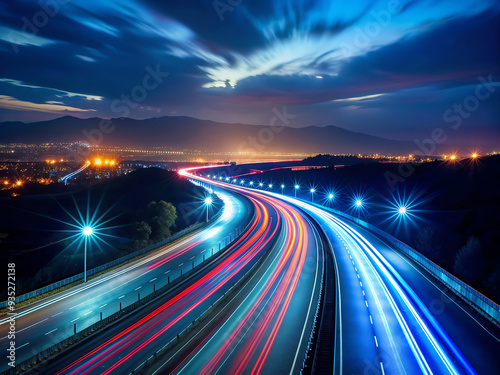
208, 202
359, 202
296, 188
270, 186
261, 184
331, 196
87, 231
402, 210
242, 182
312, 193
251, 182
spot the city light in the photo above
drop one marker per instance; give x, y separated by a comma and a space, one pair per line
453, 157
270, 186
474, 156
251, 182
296, 188
402, 210
261, 184
312, 190
97, 162
242, 182
359, 203
331, 196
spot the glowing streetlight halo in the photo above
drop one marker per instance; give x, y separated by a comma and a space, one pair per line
87, 231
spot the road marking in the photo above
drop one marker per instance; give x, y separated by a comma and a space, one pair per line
74, 320
167, 272
19, 347
138, 288
103, 305
376, 342
202, 251
87, 313
360, 284
33, 325
192, 257
366, 303
363, 292
55, 315
152, 280
121, 297
382, 368
180, 264
371, 321
50, 332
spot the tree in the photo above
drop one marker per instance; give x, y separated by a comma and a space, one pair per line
161, 217
469, 264
142, 231
426, 244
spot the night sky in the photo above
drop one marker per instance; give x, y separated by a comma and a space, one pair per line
397, 69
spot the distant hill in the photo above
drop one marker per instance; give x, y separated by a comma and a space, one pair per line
190, 133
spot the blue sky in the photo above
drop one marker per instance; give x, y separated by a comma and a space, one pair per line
389, 68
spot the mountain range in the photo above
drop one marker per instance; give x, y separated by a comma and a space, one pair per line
181, 132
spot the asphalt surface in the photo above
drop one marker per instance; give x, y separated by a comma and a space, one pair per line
51, 320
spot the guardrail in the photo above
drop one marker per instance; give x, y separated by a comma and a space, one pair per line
112, 263
77, 336
475, 299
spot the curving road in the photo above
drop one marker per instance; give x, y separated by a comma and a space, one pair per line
51, 320
281, 257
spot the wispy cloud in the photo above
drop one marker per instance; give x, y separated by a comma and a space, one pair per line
8, 102
358, 98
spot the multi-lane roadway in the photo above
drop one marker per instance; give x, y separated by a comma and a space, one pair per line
389, 317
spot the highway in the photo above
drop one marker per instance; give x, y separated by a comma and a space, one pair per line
52, 319
391, 316
284, 253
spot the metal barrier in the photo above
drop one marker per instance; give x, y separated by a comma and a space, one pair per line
54, 349
112, 263
475, 299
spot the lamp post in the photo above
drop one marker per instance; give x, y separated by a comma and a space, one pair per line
208, 202
282, 187
87, 231
296, 188
312, 194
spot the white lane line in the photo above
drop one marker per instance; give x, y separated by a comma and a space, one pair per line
180, 264
121, 297
103, 305
360, 284
167, 272
152, 280
371, 320
87, 313
202, 252
192, 258
19, 347
74, 320
138, 288
55, 315
33, 325
376, 342
363, 292
382, 368
48, 333
366, 303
